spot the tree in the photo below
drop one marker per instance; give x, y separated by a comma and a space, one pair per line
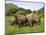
28, 11
12, 11
34, 11
41, 11
21, 11
9, 7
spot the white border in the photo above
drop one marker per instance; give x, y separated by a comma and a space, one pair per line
2, 18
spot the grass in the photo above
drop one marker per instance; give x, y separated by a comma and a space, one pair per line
15, 29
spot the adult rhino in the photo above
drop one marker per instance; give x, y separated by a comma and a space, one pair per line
19, 20
33, 18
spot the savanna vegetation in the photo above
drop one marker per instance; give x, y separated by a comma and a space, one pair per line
11, 28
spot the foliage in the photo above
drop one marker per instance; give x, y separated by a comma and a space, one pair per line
15, 29
41, 11
28, 11
11, 9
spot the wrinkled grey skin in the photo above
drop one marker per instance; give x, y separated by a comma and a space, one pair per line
29, 19
20, 20
33, 18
